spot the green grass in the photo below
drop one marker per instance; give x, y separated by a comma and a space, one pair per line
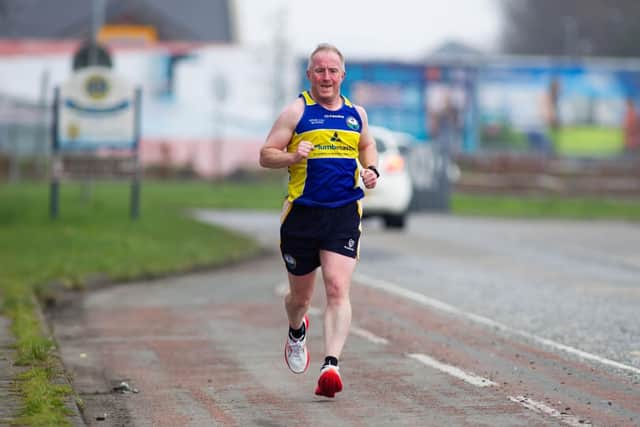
95, 235
583, 208
589, 141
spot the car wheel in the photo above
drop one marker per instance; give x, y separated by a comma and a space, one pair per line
396, 221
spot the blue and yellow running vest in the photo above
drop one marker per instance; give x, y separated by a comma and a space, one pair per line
329, 177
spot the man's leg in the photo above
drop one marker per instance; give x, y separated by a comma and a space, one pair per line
336, 271
298, 299
296, 303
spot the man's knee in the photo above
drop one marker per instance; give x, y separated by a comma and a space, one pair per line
298, 300
336, 288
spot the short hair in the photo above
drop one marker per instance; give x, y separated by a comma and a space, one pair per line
326, 47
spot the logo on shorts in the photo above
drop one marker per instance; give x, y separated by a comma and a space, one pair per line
350, 244
352, 122
290, 260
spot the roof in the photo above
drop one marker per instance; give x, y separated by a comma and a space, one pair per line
192, 20
452, 50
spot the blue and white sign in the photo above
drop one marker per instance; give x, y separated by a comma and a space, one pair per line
96, 109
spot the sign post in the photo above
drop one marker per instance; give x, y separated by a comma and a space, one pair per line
96, 131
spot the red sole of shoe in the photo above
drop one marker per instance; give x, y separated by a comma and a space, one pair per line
329, 384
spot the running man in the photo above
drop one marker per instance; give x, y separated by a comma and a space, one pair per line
320, 137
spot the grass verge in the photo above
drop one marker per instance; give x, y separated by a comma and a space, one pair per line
580, 208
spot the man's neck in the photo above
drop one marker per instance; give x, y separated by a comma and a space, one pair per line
331, 104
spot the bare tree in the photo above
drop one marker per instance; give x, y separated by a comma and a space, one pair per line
571, 27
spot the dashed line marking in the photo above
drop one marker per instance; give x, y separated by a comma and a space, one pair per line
281, 289
442, 306
541, 408
452, 370
370, 336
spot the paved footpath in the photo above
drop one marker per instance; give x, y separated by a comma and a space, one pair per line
207, 349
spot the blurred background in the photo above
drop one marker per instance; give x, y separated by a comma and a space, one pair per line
520, 95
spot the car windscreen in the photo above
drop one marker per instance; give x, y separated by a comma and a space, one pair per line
380, 146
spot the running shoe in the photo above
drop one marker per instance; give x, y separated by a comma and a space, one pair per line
329, 382
295, 351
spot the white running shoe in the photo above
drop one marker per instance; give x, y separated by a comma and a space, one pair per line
295, 351
329, 382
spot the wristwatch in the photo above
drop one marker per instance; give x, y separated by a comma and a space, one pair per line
375, 169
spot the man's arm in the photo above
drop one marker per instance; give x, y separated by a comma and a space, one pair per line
272, 153
368, 154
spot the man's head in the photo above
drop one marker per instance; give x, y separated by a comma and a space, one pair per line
325, 72
326, 47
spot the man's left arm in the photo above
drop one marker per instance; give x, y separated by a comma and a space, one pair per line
368, 155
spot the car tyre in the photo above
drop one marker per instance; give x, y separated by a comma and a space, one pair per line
395, 221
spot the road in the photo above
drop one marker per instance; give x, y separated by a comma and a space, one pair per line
456, 322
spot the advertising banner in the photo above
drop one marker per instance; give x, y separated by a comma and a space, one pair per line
587, 110
392, 93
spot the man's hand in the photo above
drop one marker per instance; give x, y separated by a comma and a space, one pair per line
369, 178
303, 151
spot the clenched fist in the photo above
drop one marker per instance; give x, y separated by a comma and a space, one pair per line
303, 151
369, 178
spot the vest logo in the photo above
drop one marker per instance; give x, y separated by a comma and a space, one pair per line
352, 122
335, 137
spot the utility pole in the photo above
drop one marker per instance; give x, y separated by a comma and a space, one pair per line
279, 58
97, 21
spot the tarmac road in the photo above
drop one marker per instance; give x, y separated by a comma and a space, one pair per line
456, 322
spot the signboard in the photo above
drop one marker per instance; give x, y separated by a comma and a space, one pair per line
95, 112
96, 109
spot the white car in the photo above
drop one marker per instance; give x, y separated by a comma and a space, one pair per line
391, 198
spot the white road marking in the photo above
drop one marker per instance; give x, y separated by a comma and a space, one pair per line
442, 306
370, 336
282, 289
549, 411
314, 311
452, 370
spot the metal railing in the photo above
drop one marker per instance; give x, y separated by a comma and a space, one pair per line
24, 139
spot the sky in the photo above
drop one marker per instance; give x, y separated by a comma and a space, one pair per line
397, 29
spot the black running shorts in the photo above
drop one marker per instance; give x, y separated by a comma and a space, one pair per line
306, 230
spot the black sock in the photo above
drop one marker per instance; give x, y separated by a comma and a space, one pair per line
330, 360
297, 334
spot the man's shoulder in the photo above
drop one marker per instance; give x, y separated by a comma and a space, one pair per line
361, 110
293, 111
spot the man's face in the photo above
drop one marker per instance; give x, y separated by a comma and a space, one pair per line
325, 75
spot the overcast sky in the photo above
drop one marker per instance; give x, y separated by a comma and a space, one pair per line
396, 29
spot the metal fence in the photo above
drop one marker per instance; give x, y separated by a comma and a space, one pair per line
24, 139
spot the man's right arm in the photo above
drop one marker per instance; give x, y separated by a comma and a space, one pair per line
272, 153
